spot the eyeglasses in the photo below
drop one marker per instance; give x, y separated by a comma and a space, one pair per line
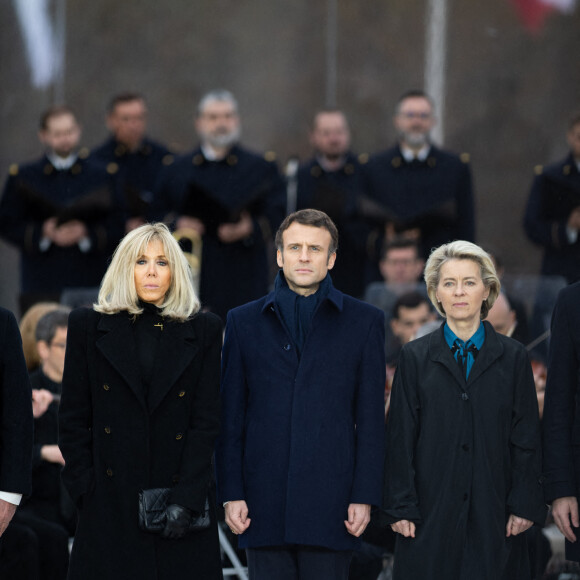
413, 115
58, 344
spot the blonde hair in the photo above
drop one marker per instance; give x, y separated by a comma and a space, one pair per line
461, 250
118, 290
28, 331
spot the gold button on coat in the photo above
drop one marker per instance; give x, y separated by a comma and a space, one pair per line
179, 436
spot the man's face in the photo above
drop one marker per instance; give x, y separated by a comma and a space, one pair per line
401, 266
414, 121
330, 136
128, 122
574, 140
52, 355
218, 125
410, 320
501, 316
62, 135
304, 257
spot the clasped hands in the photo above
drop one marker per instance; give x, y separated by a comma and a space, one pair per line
237, 519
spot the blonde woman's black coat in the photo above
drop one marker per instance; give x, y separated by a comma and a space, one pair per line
116, 441
461, 457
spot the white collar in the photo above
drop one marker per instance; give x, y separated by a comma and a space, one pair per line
409, 154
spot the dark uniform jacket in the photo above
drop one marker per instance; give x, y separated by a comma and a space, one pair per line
461, 457
555, 193
15, 410
216, 192
117, 441
561, 419
434, 195
302, 436
35, 192
137, 171
337, 193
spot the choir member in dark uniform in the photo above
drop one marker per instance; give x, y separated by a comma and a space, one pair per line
552, 218
462, 474
233, 198
61, 213
419, 189
332, 182
140, 410
139, 160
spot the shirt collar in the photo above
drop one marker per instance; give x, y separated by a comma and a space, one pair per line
409, 154
62, 163
477, 339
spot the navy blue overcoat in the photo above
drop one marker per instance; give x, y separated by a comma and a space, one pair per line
302, 437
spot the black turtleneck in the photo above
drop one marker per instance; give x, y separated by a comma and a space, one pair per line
147, 329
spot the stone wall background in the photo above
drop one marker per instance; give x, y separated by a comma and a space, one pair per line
509, 92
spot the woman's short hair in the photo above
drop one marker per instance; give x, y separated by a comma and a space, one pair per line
118, 290
461, 250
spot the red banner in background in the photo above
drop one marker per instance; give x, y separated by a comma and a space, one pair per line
533, 13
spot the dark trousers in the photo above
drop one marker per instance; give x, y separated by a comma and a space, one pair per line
298, 563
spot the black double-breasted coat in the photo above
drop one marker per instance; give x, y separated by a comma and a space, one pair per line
461, 457
116, 441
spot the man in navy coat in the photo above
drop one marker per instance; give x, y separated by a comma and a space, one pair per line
561, 419
303, 376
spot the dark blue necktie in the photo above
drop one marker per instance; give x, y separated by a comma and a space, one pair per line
460, 351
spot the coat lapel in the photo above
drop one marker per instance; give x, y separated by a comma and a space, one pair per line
117, 345
491, 350
441, 353
177, 348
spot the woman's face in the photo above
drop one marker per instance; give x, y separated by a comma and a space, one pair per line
461, 290
152, 274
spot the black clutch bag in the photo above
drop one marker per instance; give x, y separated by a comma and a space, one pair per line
152, 506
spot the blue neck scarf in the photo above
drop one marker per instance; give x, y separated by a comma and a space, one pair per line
297, 311
465, 352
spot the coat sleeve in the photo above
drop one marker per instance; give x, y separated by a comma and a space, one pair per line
559, 405
401, 501
525, 497
75, 412
370, 418
196, 463
15, 411
230, 449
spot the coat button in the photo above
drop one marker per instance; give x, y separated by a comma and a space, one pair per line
182, 394
179, 436
465, 496
108, 430
110, 472
465, 447
106, 387
287, 346
175, 479
465, 396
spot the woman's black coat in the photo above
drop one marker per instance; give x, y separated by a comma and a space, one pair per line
116, 441
461, 457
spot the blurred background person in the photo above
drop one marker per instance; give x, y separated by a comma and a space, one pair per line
142, 371
231, 198
421, 190
331, 181
61, 212
136, 159
46, 518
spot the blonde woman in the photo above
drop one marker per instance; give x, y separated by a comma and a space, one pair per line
463, 437
140, 410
